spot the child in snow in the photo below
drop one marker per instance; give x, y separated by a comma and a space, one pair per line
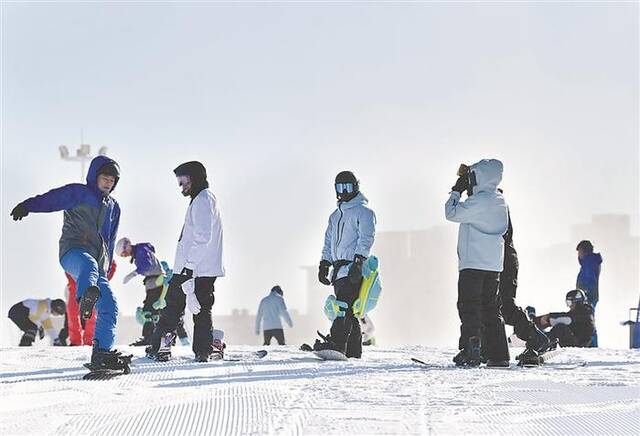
33, 316
91, 219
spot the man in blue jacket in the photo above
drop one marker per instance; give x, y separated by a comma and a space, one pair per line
589, 277
91, 219
347, 244
270, 311
483, 219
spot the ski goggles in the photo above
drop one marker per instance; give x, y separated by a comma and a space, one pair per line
342, 188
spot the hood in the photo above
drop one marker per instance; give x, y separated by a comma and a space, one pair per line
592, 259
92, 175
488, 174
358, 200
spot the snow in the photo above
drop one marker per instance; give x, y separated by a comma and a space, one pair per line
292, 392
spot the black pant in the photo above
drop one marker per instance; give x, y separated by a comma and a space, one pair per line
274, 333
479, 311
513, 315
151, 297
345, 331
176, 302
19, 314
566, 337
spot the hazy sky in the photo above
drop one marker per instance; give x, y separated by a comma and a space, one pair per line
275, 99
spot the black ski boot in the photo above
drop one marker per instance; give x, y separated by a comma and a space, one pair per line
88, 300
202, 357
537, 344
469, 357
28, 338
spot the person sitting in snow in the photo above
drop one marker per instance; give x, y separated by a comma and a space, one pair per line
573, 328
33, 317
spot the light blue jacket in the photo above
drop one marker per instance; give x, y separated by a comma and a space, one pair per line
351, 230
271, 309
483, 219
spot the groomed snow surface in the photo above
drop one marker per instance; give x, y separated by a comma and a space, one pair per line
292, 392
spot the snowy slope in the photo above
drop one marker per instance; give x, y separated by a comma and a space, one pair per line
291, 392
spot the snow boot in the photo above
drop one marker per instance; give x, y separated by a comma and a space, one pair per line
202, 357
28, 338
529, 357
470, 357
102, 359
497, 363
88, 300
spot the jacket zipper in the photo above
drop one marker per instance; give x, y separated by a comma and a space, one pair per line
338, 235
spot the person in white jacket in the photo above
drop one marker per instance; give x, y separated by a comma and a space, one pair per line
198, 263
347, 244
483, 219
271, 310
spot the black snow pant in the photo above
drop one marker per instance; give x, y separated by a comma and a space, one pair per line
479, 311
274, 333
514, 315
151, 297
19, 314
176, 303
345, 331
566, 337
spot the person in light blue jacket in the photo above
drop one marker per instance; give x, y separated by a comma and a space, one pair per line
483, 219
347, 243
270, 312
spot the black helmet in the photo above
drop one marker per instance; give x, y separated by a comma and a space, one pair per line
58, 306
347, 186
576, 296
277, 289
198, 174
585, 245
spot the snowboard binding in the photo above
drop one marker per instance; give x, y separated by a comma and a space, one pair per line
106, 364
88, 301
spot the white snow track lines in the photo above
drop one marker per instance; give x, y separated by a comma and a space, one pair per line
290, 392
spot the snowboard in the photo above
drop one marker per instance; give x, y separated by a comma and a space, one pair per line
240, 357
330, 355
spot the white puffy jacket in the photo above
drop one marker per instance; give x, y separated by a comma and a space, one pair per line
200, 245
351, 230
483, 219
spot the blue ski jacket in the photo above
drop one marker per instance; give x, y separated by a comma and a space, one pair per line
589, 276
90, 219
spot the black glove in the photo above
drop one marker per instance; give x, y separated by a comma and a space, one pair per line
355, 271
41, 332
57, 342
19, 212
323, 272
461, 184
187, 272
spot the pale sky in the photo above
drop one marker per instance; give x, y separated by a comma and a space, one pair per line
275, 99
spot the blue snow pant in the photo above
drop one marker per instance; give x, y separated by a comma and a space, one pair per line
84, 269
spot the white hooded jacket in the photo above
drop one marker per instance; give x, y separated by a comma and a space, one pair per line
483, 219
351, 230
200, 245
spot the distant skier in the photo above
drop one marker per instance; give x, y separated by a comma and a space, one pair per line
143, 256
270, 311
91, 219
589, 277
80, 330
483, 219
199, 260
33, 318
573, 328
347, 244
524, 328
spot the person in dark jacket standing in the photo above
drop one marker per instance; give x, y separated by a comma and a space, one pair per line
589, 277
483, 219
573, 328
91, 219
348, 240
524, 328
199, 260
